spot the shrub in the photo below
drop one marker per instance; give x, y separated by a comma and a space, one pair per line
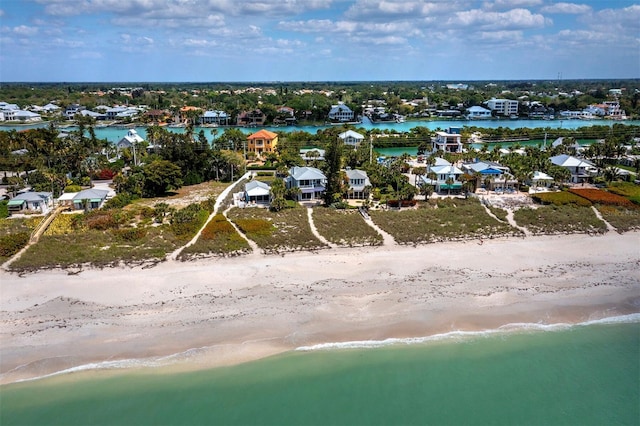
72, 188
598, 196
106, 174
63, 224
188, 220
101, 220
119, 201
560, 199
255, 226
129, 234
13, 243
4, 209
219, 225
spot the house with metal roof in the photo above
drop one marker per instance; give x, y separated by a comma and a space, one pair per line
341, 113
311, 182
132, 137
359, 185
581, 170
351, 138
31, 201
88, 199
257, 192
478, 113
447, 176
214, 117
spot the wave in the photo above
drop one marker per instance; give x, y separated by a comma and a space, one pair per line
458, 335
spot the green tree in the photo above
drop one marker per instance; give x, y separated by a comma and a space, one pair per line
277, 192
333, 166
161, 176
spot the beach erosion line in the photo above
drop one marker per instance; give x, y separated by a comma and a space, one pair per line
455, 336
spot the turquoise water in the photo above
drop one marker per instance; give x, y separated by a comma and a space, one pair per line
582, 375
114, 134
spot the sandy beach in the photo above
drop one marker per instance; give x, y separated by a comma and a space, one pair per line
221, 311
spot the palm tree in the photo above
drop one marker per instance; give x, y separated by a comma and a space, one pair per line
449, 182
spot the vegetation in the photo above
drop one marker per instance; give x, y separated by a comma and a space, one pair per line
567, 218
220, 238
345, 227
441, 220
14, 235
626, 189
276, 232
560, 198
597, 196
622, 218
498, 212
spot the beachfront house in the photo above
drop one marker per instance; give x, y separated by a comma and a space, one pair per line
262, 141
88, 199
311, 182
312, 154
351, 138
340, 113
491, 175
31, 202
443, 176
581, 170
478, 113
448, 141
359, 185
257, 192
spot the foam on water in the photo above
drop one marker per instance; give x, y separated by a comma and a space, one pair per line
456, 335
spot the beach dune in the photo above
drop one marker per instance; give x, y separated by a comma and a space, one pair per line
222, 311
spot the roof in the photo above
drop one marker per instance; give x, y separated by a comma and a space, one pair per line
357, 174
91, 194
32, 196
441, 162
541, 176
446, 170
306, 173
350, 133
263, 134
256, 188
67, 196
214, 114
565, 160
477, 108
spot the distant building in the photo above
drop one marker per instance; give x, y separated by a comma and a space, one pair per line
215, 117
477, 112
251, 118
341, 113
351, 138
449, 141
132, 137
504, 107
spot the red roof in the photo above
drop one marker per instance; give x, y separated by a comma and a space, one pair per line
263, 134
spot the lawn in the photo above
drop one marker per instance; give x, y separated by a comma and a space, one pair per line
345, 227
441, 220
563, 219
276, 232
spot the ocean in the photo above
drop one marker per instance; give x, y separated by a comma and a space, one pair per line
587, 374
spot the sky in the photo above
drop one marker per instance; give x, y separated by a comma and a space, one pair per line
316, 40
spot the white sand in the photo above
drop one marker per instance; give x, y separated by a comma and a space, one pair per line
245, 308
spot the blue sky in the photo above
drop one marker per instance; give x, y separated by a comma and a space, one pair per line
317, 40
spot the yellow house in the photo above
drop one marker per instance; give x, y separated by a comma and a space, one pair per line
262, 141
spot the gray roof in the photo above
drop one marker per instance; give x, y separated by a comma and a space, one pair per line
33, 196
89, 194
357, 174
256, 188
306, 173
565, 160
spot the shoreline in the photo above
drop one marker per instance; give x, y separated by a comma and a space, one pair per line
216, 312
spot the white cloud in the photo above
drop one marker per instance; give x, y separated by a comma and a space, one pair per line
190, 42
21, 31
500, 36
516, 18
87, 55
509, 4
568, 8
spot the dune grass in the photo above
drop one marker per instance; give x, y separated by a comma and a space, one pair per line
441, 220
218, 238
345, 227
276, 232
562, 219
621, 218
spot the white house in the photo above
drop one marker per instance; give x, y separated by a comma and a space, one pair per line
214, 117
310, 154
581, 170
449, 141
503, 106
20, 115
478, 113
311, 181
257, 192
31, 201
443, 171
492, 174
341, 113
132, 137
89, 198
351, 138
359, 184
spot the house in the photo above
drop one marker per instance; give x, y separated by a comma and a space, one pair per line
129, 140
358, 184
214, 117
20, 115
262, 141
341, 113
311, 182
447, 176
449, 141
286, 115
478, 113
251, 118
351, 138
506, 107
539, 180
92, 114
581, 170
493, 175
89, 199
40, 202
186, 112
257, 192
